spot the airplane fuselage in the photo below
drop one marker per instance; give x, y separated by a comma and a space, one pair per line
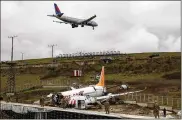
93, 91
76, 21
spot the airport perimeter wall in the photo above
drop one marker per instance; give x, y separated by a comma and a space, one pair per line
29, 111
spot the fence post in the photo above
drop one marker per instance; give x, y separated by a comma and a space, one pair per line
162, 100
136, 97
153, 98
172, 102
144, 97
132, 96
178, 103
140, 97
157, 99
62, 82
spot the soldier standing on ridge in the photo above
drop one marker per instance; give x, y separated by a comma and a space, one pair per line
156, 110
42, 101
164, 111
107, 106
53, 101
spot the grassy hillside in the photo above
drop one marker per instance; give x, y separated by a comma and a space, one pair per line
133, 55
164, 69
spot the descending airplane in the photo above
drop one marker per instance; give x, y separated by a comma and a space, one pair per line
94, 94
74, 22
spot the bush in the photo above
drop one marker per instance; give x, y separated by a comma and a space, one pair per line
175, 75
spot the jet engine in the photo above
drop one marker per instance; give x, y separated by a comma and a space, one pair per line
74, 25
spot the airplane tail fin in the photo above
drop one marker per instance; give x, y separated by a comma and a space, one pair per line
102, 78
57, 11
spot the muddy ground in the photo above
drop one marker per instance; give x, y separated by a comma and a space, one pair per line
132, 110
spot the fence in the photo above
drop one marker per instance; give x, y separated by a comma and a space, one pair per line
62, 82
148, 98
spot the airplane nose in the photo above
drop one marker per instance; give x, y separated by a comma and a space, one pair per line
96, 24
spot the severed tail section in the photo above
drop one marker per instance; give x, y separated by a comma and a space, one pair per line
102, 78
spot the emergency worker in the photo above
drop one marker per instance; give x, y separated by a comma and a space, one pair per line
70, 105
62, 102
53, 100
57, 99
1, 98
107, 107
156, 110
164, 112
42, 101
8, 98
67, 102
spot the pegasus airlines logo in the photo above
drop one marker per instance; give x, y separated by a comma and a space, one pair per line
102, 79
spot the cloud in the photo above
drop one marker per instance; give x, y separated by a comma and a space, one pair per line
139, 39
128, 26
171, 44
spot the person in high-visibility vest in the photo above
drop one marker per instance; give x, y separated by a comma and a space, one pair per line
70, 105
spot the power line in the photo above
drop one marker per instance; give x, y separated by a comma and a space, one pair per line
52, 46
12, 37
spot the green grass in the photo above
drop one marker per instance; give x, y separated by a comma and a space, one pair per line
43, 90
136, 55
22, 80
161, 54
128, 77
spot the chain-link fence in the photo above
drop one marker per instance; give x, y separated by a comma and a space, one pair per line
148, 98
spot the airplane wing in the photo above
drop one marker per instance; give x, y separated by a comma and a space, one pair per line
61, 22
104, 98
89, 19
72, 88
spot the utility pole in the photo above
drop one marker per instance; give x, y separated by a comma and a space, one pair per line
12, 47
22, 55
11, 79
52, 46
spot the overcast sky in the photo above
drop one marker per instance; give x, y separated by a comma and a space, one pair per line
127, 26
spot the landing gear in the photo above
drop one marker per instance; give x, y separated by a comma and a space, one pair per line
93, 28
73, 26
82, 25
